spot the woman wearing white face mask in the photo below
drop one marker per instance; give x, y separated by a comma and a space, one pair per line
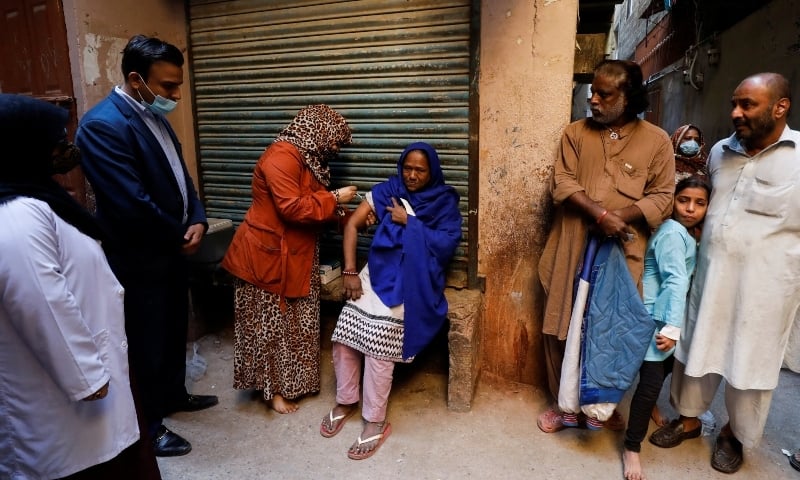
690, 155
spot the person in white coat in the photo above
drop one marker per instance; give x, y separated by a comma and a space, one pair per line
66, 407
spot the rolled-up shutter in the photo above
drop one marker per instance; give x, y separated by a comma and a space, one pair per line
398, 70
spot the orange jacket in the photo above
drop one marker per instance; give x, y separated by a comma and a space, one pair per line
274, 246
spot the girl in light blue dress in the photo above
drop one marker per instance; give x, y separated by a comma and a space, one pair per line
668, 267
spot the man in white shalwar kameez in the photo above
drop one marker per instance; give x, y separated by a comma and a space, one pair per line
746, 290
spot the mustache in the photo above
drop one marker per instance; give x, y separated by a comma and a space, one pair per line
739, 122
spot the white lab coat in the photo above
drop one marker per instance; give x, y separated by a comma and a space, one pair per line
62, 337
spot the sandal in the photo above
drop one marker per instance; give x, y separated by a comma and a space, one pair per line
336, 423
380, 438
550, 421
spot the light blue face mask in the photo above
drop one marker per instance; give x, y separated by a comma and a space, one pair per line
689, 148
160, 104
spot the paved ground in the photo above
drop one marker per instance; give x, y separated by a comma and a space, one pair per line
498, 438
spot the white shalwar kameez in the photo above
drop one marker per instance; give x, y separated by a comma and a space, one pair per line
746, 290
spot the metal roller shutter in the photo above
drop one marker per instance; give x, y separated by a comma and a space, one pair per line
398, 70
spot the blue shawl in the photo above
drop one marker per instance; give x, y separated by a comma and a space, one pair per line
407, 263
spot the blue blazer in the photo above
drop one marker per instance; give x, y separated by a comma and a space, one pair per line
139, 201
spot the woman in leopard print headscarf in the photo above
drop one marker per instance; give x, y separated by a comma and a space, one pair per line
274, 256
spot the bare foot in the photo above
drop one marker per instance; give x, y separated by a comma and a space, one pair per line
631, 467
282, 405
655, 415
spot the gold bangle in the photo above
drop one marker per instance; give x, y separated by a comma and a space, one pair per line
602, 216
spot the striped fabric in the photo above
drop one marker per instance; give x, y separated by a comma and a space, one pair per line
380, 337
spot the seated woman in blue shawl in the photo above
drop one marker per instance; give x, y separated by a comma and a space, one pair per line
396, 304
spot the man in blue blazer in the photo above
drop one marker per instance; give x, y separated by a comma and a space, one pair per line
153, 218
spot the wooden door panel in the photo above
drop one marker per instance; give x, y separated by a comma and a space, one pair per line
16, 67
33, 42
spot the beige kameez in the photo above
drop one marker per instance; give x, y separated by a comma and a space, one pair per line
637, 169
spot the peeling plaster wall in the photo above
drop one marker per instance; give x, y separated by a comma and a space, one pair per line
527, 56
98, 30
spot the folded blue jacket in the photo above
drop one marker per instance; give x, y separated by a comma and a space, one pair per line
617, 329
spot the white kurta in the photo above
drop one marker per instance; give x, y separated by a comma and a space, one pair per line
747, 287
62, 337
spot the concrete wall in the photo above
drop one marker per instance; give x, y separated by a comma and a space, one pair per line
631, 28
98, 30
767, 40
580, 102
527, 54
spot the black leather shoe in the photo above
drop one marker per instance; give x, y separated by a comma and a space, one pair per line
194, 403
672, 434
169, 444
794, 460
727, 456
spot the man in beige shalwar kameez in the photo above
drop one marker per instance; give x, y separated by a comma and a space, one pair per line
746, 291
615, 174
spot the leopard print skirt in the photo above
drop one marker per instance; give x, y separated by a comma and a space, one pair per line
276, 352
